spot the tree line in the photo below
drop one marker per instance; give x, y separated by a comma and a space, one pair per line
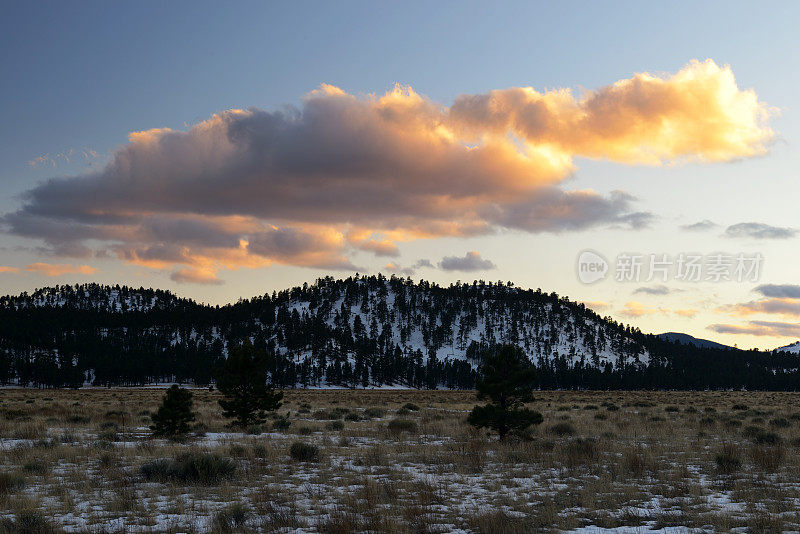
363, 331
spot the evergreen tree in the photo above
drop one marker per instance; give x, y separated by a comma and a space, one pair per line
243, 383
506, 380
174, 415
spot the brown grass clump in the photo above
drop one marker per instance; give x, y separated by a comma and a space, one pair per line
728, 459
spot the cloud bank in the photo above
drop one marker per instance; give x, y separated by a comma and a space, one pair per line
753, 230
59, 269
699, 226
312, 185
759, 328
471, 261
787, 291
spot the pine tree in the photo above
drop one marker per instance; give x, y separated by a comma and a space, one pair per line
243, 383
506, 380
174, 415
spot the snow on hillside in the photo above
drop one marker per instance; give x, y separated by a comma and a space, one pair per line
94, 297
793, 348
435, 322
361, 331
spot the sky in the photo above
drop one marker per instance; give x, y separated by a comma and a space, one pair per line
228, 150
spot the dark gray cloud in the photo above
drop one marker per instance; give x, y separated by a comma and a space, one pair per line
653, 290
700, 226
409, 271
755, 230
787, 291
471, 261
190, 276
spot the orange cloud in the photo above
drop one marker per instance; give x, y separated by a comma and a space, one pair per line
698, 113
635, 308
597, 305
342, 173
759, 328
778, 306
4, 269
59, 269
196, 276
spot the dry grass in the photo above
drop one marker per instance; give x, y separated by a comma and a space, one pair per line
402, 461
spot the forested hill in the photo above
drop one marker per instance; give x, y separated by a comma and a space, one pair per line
358, 332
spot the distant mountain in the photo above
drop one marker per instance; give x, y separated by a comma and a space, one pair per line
686, 339
793, 348
363, 331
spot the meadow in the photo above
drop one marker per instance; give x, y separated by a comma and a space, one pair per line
402, 461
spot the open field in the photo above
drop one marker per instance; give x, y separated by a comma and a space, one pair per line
636, 461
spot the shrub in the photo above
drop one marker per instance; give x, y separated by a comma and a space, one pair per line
612, 407
397, 426
78, 419
352, 416
109, 436
190, 467
27, 522
411, 407
562, 429
281, 424
10, 483
780, 422
231, 518
36, 467
174, 415
498, 522
580, 451
254, 430
304, 452
332, 414
751, 431
375, 413
768, 457
335, 425
739, 407
671, 409
766, 438
637, 461
727, 459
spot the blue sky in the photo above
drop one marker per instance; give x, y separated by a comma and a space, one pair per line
81, 76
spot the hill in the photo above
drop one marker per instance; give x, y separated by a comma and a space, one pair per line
686, 339
356, 332
792, 348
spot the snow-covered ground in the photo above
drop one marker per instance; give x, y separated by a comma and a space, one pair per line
600, 462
